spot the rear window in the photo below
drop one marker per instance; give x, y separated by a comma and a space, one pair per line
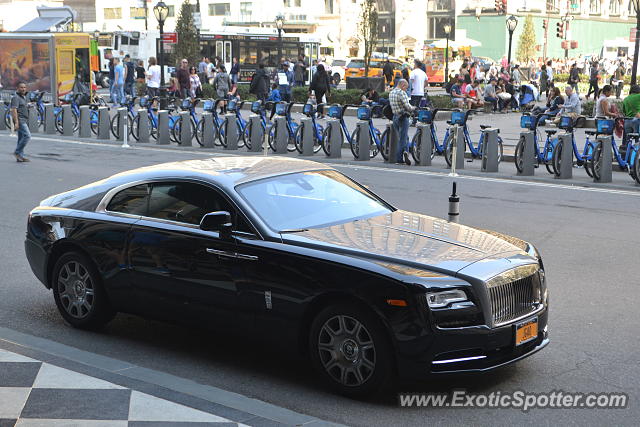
339, 63
356, 64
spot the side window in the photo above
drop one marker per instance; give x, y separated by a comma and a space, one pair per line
188, 202
132, 200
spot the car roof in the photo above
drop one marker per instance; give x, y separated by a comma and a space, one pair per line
226, 171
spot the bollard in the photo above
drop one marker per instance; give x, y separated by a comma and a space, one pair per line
490, 151
308, 136
231, 132
122, 119
256, 134
3, 113
49, 119
104, 131
566, 156
186, 132
605, 161
282, 135
459, 147
424, 144
163, 128
143, 125
393, 143
335, 139
85, 122
208, 131
33, 118
528, 154
454, 205
67, 120
364, 140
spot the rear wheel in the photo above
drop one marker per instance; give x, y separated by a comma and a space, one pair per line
590, 161
354, 145
326, 140
415, 146
78, 292
448, 149
518, 155
636, 164
200, 132
384, 145
94, 122
59, 121
247, 131
297, 138
557, 159
115, 125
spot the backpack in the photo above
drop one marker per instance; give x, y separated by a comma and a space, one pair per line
387, 112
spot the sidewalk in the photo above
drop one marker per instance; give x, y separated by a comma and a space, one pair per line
43, 383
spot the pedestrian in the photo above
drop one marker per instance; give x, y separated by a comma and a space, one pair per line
140, 72
118, 82
20, 115
618, 79
211, 72
234, 73
222, 85
603, 109
202, 69
260, 83
574, 77
571, 106
490, 94
184, 77
544, 81
387, 71
407, 77
594, 75
195, 86
153, 78
285, 81
112, 79
516, 76
129, 76
320, 86
631, 110
299, 72
401, 109
419, 81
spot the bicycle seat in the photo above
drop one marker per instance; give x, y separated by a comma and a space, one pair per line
484, 126
633, 135
590, 132
551, 131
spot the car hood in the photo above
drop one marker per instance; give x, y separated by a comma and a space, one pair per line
412, 239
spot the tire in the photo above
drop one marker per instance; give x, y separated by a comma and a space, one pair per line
636, 165
557, 162
326, 139
354, 144
594, 165
548, 158
317, 144
518, 155
94, 120
115, 125
58, 121
78, 292
217, 134
448, 149
200, 132
415, 146
242, 137
351, 351
135, 127
297, 138
588, 163
104, 81
384, 145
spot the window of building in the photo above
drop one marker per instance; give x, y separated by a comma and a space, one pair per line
132, 201
574, 6
112, 13
172, 11
439, 5
594, 7
328, 6
136, 12
614, 7
385, 5
245, 11
248, 53
436, 27
293, 3
220, 9
632, 8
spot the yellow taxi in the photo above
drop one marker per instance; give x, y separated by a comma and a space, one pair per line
355, 67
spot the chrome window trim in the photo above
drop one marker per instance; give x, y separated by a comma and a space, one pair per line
106, 199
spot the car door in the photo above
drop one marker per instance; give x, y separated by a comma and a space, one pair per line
180, 271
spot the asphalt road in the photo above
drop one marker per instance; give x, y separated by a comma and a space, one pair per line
587, 238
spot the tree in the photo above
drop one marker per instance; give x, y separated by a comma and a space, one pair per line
188, 46
368, 30
527, 42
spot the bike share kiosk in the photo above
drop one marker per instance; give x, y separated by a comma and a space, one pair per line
565, 148
362, 131
281, 129
527, 145
186, 133
143, 120
334, 141
424, 144
490, 153
231, 126
163, 127
459, 148
307, 131
603, 157
256, 131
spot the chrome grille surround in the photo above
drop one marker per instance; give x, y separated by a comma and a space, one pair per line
515, 294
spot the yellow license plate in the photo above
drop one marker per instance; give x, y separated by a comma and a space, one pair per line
526, 331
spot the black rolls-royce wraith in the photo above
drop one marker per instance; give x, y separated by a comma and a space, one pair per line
294, 250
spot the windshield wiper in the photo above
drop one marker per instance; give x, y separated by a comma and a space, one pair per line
294, 230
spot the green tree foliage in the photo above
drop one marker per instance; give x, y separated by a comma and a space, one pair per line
368, 30
187, 46
527, 42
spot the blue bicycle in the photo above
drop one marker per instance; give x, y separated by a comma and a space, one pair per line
426, 116
235, 107
628, 161
459, 117
582, 159
261, 110
129, 103
152, 117
379, 141
310, 111
336, 112
283, 109
544, 156
197, 124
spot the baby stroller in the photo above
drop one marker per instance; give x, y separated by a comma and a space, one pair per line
527, 98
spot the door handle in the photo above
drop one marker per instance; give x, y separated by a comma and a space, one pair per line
235, 255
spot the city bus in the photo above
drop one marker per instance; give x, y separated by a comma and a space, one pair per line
253, 45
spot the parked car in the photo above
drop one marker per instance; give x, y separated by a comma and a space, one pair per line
355, 67
338, 68
295, 251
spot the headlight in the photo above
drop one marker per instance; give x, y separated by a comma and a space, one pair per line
444, 298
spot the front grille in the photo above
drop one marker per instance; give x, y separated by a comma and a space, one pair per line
514, 294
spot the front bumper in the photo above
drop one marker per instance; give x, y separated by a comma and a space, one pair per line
471, 349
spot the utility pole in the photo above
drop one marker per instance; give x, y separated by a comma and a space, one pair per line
146, 14
546, 38
636, 48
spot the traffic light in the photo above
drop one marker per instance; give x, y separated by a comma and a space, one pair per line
544, 24
498, 4
559, 30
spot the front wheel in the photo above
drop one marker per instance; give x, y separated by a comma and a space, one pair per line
415, 146
557, 159
636, 164
518, 156
297, 138
78, 292
590, 161
326, 140
448, 149
350, 350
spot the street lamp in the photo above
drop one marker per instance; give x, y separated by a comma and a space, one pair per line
512, 23
447, 32
161, 11
636, 49
279, 25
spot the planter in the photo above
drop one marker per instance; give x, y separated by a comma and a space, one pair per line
362, 83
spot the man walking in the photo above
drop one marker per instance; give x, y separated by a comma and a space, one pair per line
401, 108
184, 79
129, 76
418, 83
118, 82
285, 81
20, 115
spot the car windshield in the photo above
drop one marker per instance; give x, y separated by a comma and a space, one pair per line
306, 200
356, 63
338, 63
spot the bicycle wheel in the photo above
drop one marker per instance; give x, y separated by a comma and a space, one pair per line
200, 132
291, 144
93, 117
448, 149
595, 163
247, 130
354, 145
518, 155
58, 121
548, 156
384, 145
415, 146
297, 138
557, 159
326, 140
500, 150
636, 163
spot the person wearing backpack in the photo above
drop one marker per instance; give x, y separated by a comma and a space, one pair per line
260, 83
320, 86
222, 84
129, 76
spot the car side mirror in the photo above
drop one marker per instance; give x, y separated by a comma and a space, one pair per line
219, 221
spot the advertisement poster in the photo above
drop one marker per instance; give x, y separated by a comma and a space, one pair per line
25, 60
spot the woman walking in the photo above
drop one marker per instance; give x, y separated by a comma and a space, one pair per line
544, 81
195, 86
320, 86
222, 84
